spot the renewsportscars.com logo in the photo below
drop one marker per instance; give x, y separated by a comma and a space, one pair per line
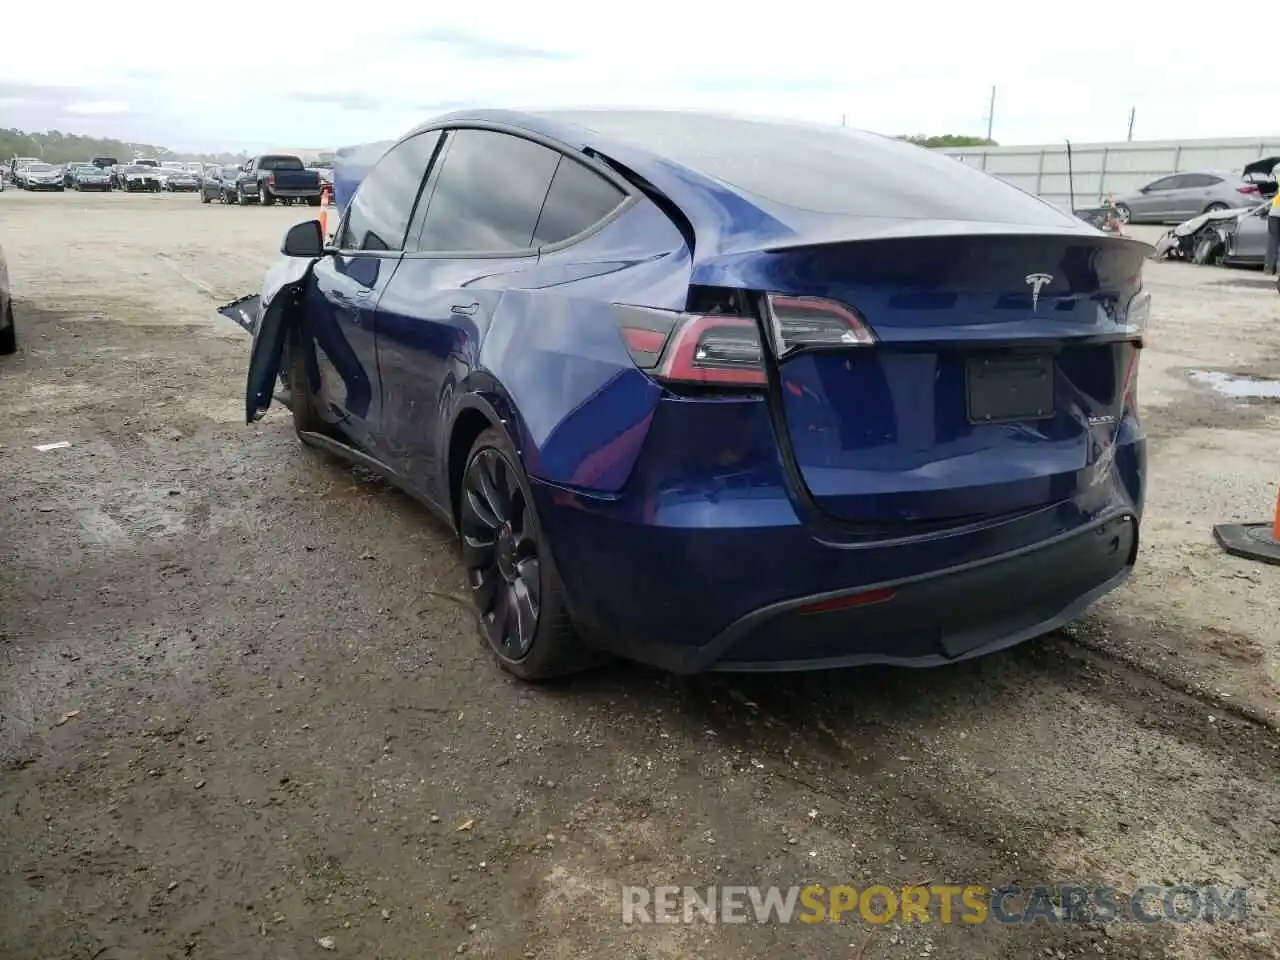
940, 903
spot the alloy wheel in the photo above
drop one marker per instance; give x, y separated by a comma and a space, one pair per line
500, 551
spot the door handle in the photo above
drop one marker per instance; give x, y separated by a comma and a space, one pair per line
464, 309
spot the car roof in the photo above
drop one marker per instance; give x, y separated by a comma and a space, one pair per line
734, 177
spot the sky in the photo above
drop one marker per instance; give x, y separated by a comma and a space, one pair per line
184, 75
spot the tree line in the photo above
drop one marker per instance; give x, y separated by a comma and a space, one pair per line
54, 146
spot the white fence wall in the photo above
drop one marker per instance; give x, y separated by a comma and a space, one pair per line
1101, 168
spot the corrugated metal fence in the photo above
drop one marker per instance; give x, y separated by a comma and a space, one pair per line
1101, 168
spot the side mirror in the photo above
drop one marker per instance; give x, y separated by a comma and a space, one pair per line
304, 239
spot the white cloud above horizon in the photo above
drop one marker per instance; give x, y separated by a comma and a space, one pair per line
186, 81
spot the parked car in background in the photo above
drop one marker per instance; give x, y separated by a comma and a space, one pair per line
8, 328
68, 169
108, 164
38, 175
723, 394
85, 176
276, 176
15, 167
195, 167
352, 165
139, 178
220, 184
179, 181
1175, 198
145, 162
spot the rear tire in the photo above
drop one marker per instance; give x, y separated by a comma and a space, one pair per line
313, 201
515, 588
264, 195
1123, 212
8, 334
1215, 206
205, 198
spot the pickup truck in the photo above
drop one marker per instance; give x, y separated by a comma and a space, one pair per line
278, 176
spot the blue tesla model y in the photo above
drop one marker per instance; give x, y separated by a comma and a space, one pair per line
721, 393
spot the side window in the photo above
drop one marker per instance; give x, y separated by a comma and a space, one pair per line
380, 210
1199, 180
579, 198
1166, 183
489, 194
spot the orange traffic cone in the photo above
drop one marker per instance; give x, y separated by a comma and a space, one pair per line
1253, 541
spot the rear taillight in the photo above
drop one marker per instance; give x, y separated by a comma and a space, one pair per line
271, 179
1137, 316
725, 350
806, 323
1249, 188
693, 348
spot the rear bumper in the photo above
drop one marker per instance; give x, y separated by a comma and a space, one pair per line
295, 193
700, 599
953, 615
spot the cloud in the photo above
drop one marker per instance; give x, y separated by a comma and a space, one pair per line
346, 100
97, 106
357, 79
466, 45
738, 85
38, 93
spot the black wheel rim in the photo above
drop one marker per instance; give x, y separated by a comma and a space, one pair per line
500, 550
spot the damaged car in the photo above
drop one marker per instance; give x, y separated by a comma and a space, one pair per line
720, 394
1220, 237
1227, 237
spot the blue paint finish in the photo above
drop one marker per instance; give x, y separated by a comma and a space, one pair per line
674, 514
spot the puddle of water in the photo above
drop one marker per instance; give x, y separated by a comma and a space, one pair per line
1230, 385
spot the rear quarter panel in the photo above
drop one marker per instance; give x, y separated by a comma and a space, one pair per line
554, 358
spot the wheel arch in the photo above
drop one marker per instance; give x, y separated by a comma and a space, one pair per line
475, 414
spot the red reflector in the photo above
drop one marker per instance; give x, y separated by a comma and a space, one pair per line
852, 600
646, 341
1248, 188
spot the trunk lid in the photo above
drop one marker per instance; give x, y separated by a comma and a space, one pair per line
995, 384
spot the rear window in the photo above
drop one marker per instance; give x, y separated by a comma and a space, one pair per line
822, 169
280, 163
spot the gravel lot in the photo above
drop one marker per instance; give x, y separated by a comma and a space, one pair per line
241, 709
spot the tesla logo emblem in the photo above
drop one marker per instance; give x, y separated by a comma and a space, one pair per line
1037, 282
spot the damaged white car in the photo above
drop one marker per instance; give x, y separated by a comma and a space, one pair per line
1234, 238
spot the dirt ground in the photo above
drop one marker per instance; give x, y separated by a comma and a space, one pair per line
240, 712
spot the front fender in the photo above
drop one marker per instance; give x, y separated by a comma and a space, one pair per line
282, 289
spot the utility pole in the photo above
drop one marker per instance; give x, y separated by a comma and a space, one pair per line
991, 112
1133, 112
